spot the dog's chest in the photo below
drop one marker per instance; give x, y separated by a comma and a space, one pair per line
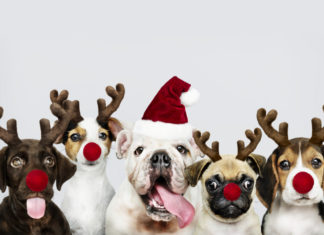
293, 220
86, 200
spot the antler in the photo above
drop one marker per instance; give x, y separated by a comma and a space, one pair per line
265, 120
10, 136
104, 112
317, 132
212, 153
243, 152
48, 134
61, 99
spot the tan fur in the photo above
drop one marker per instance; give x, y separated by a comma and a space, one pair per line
307, 157
72, 148
290, 156
107, 142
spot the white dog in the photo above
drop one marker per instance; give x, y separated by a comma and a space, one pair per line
88, 142
153, 198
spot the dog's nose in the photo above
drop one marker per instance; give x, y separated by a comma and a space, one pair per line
160, 159
91, 151
37, 180
232, 192
303, 182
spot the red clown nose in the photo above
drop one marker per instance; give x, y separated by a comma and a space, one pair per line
232, 192
91, 151
303, 182
37, 180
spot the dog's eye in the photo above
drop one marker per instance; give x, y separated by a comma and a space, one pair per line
284, 165
138, 151
182, 149
212, 185
49, 161
75, 137
17, 162
316, 163
102, 136
247, 184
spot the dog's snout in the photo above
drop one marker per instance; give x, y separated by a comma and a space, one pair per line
92, 151
37, 180
160, 159
303, 182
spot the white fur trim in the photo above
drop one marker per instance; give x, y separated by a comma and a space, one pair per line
190, 97
162, 130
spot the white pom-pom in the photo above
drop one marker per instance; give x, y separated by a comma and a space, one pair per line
190, 97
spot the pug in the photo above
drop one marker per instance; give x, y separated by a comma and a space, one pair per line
227, 187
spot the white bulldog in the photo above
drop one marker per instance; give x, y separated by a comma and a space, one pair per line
154, 199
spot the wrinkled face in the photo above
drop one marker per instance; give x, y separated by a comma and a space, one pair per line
300, 171
152, 163
228, 188
23, 159
88, 143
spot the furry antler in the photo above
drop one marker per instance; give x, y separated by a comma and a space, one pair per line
243, 152
317, 132
265, 120
212, 153
10, 136
104, 112
61, 99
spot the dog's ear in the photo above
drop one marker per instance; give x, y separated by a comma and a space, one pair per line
194, 172
3, 169
65, 169
115, 127
123, 142
256, 162
267, 182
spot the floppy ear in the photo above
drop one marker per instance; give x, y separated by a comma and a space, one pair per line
115, 127
65, 169
123, 142
194, 172
256, 162
267, 182
3, 169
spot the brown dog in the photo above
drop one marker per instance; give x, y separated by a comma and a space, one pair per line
29, 168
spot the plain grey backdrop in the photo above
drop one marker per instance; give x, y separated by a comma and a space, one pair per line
240, 55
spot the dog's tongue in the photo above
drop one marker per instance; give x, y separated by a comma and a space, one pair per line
36, 207
177, 205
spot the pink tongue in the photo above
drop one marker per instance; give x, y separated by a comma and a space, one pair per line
36, 207
177, 205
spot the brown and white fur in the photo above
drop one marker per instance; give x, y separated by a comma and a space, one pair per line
216, 214
128, 212
89, 192
291, 212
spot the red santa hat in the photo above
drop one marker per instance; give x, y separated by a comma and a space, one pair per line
165, 117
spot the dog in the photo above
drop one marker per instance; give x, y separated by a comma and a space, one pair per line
88, 142
154, 198
291, 183
29, 168
228, 187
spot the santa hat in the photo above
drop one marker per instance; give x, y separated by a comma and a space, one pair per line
165, 117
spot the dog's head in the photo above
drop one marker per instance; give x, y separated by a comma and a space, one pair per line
295, 168
30, 167
155, 168
228, 181
88, 141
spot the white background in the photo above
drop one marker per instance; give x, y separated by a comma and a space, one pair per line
241, 55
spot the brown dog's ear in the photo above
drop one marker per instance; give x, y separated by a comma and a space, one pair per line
115, 127
256, 162
3, 169
194, 172
65, 169
267, 182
